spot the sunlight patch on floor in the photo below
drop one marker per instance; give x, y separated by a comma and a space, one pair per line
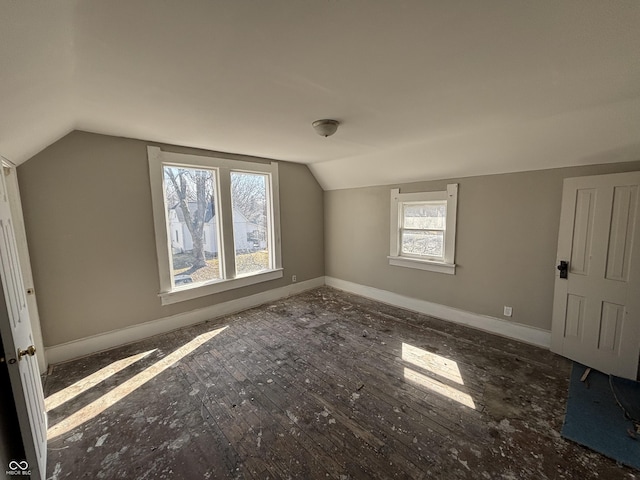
432, 362
440, 366
81, 386
118, 393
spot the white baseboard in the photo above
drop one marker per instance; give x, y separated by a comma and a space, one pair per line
516, 331
114, 338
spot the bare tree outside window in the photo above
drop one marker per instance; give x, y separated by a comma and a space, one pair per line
189, 199
192, 223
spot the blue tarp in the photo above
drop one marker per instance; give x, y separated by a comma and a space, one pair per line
596, 420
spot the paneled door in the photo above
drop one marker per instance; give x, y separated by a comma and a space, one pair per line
596, 310
19, 350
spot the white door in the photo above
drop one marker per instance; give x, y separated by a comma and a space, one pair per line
18, 343
11, 179
596, 310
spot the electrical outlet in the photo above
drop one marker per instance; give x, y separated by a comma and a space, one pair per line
294, 279
508, 311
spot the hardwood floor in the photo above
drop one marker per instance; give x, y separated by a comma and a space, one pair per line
320, 385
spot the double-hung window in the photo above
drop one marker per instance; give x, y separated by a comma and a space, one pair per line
217, 223
423, 229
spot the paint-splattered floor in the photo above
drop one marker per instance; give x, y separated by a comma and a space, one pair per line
320, 385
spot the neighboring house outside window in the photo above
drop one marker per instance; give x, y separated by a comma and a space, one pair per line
217, 223
245, 232
423, 229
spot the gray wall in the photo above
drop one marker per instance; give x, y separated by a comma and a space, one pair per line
87, 206
507, 233
89, 223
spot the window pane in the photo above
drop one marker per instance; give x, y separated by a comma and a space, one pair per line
425, 216
250, 221
189, 196
427, 243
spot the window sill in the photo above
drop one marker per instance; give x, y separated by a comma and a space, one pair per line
439, 267
182, 294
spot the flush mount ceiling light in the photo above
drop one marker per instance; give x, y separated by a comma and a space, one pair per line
325, 127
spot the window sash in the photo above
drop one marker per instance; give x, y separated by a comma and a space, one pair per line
268, 226
404, 253
402, 229
403, 211
423, 229
217, 226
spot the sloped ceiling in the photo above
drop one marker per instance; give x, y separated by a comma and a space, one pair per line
424, 89
37, 66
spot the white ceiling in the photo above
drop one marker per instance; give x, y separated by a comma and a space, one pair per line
424, 89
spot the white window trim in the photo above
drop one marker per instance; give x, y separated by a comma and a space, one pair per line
395, 258
224, 166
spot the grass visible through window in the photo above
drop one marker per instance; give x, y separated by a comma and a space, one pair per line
245, 263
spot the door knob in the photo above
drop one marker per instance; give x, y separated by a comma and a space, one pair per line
30, 350
564, 268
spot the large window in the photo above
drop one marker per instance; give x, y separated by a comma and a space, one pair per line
216, 222
423, 229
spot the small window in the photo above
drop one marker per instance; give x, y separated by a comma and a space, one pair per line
225, 216
423, 229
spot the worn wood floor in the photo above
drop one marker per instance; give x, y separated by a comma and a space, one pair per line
320, 385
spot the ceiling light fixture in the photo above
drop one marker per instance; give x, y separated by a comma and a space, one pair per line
325, 127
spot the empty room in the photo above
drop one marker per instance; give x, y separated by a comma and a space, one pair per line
341, 239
